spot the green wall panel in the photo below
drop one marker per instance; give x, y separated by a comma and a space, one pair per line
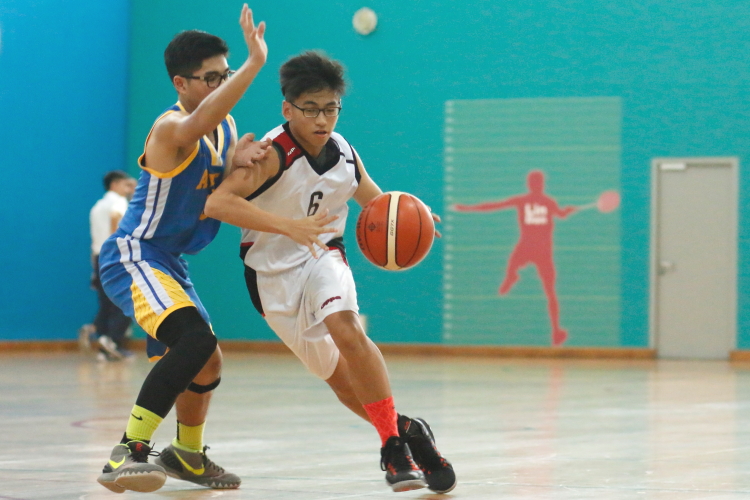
490, 146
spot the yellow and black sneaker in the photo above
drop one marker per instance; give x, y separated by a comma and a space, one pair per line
438, 472
128, 469
401, 473
196, 467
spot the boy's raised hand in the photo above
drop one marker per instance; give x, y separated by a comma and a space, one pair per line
256, 44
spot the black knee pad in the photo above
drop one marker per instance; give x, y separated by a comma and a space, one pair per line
184, 321
189, 336
202, 389
191, 344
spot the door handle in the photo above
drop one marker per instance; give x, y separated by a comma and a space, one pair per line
666, 266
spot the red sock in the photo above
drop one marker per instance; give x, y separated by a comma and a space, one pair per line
384, 418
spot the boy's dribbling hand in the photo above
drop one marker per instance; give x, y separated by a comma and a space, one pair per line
436, 218
256, 44
306, 231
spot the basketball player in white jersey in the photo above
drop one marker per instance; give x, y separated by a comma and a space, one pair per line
307, 293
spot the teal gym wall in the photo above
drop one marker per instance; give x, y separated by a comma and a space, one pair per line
63, 110
678, 70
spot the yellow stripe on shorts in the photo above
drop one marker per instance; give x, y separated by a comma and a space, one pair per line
146, 317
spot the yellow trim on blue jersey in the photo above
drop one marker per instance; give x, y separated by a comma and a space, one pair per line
214, 156
182, 166
232, 128
175, 171
221, 144
216, 151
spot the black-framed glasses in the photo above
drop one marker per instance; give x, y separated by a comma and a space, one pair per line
330, 111
212, 79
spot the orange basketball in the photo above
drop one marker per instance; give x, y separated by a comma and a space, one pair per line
395, 230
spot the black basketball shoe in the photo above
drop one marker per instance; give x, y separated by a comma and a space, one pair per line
401, 473
438, 472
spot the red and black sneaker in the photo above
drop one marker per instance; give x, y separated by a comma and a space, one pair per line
401, 473
438, 472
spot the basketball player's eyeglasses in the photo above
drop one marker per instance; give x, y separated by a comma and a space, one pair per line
314, 112
213, 80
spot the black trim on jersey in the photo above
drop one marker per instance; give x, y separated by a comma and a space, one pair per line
338, 243
357, 173
251, 281
333, 153
244, 247
270, 182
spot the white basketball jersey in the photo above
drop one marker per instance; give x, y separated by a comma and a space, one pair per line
302, 188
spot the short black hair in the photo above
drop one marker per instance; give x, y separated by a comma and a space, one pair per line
114, 175
188, 49
311, 72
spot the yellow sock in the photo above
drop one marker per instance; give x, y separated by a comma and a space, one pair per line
189, 438
142, 424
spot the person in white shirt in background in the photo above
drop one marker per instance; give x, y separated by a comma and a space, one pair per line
110, 324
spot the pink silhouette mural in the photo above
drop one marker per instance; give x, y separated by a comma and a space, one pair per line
536, 213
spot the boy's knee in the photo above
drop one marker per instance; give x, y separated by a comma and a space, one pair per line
212, 369
346, 331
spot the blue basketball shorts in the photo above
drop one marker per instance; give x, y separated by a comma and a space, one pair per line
147, 284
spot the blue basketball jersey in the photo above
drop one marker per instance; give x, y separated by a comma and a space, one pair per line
167, 208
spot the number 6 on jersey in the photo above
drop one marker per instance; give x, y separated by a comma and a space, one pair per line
314, 205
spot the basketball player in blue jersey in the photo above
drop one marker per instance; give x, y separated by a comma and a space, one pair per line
311, 303
186, 153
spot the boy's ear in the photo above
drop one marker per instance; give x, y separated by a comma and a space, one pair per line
286, 110
179, 83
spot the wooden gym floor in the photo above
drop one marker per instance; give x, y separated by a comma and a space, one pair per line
514, 429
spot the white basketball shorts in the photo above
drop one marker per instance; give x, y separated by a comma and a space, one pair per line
295, 303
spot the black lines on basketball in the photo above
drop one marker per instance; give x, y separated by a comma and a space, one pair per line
410, 260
